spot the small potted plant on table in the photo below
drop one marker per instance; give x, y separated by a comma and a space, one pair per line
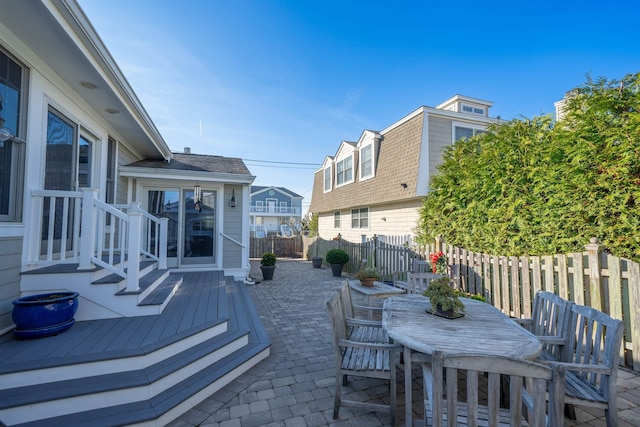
367, 276
337, 258
444, 299
268, 265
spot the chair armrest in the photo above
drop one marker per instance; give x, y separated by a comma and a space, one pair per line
526, 323
547, 339
368, 308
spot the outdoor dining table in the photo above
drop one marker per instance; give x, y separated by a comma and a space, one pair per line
483, 330
378, 290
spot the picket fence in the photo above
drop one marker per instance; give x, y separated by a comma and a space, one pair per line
593, 277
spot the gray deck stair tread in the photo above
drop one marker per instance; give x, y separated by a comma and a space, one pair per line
160, 294
116, 278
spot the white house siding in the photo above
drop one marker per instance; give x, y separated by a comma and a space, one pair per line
10, 252
125, 157
232, 227
400, 219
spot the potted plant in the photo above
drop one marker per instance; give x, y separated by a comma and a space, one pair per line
367, 276
337, 258
444, 299
438, 263
42, 315
268, 265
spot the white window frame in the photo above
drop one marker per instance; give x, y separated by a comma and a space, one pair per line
371, 173
16, 164
259, 206
472, 109
344, 172
477, 129
327, 182
337, 220
283, 207
357, 217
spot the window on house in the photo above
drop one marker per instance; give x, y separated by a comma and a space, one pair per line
360, 218
472, 110
461, 132
366, 161
327, 179
12, 152
344, 171
336, 220
283, 206
259, 206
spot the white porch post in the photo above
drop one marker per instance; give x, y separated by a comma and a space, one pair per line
134, 246
162, 250
88, 229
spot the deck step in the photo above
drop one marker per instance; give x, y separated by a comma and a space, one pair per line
163, 291
116, 278
155, 383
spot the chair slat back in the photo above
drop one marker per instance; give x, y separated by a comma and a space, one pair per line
347, 302
338, 321
551, 319
419, 282
594, 339
481, 406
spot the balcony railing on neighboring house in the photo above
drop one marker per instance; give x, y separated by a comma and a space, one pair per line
77, 227
275, 210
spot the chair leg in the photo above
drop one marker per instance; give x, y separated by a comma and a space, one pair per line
611, 415
393, 388
345, 380
336, 403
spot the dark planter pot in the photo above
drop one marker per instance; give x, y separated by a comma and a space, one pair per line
267, 271
336, 269
316, 261
43, 315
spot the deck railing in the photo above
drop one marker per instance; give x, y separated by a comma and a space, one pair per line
77, 227
592, 277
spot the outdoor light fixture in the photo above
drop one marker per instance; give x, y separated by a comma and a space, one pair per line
197, 197
404, 185
232, 201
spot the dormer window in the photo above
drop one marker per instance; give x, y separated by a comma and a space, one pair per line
366, 162
473, 110
327, 179
344, 171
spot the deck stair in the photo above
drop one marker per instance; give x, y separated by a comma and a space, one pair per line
103, 294
144, 370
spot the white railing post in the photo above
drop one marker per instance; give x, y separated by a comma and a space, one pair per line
134, 246
162, 250
88, 229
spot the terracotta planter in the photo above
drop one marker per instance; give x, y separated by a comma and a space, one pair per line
368, 282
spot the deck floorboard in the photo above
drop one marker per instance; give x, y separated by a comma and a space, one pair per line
195, 306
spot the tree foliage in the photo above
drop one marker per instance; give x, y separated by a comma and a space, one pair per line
535, 186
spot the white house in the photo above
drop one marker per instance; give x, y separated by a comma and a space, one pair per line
92, 200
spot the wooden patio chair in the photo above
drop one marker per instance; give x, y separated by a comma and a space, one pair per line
355, 358
358, 328
418, 282
549, 322
478, 402
401, 278
591, 359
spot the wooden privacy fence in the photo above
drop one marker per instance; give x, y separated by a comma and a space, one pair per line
592, 277
283, 247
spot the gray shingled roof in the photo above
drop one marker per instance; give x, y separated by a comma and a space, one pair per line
197, 162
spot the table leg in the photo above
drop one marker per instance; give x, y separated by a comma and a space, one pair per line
408, 410
370, 305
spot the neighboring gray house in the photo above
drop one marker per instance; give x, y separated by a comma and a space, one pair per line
375, 185
274, 210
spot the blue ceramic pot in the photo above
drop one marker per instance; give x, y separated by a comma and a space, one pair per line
43, 315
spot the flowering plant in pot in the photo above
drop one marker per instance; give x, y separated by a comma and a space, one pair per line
268, 265
368, 275
438, 263
337, 258
444, 299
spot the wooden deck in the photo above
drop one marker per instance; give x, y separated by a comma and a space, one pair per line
207, 313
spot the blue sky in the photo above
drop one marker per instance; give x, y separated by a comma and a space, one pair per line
287, 81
